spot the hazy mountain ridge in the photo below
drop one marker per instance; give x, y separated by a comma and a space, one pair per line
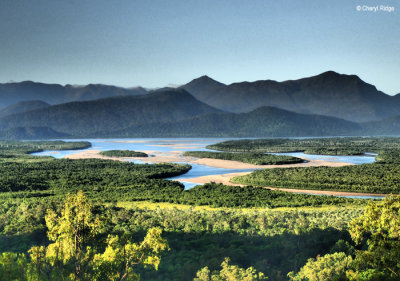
174, 112
23, 106
26, 133
329, 93
11, 93
262, 122
89, 117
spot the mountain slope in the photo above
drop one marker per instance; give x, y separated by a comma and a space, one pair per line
387, 126
330, 93
203, 88
11, 93
262, 122
25, 133
23, 106
88, 117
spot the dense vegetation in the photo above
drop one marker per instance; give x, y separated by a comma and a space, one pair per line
113, 181
373, 178
18, 147
123, 153
103, 178
274, 242
376, 256
252, 158
380, 177
329, 146
219, 195
76, 252
131, 201
19, 151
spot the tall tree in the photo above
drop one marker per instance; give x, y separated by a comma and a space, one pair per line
379, 229
230, 273
74, 254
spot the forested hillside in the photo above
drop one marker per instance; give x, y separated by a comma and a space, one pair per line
106, 115
329, 93
23, 106
262, 122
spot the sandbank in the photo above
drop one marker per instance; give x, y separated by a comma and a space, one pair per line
176, 156
225, 179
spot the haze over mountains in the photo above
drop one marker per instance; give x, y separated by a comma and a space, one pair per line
330, 93
326, 104
23, 106
11, 93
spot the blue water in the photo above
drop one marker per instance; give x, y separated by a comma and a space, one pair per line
159, 145
353, 196
140, 144
166, 145
199, 170
362, 159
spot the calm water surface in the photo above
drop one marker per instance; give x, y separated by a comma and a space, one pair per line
186, 144
358, 159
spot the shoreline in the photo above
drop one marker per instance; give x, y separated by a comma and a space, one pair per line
176, 156
225, 179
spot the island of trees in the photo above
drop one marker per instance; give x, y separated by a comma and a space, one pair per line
123, 153
252, 158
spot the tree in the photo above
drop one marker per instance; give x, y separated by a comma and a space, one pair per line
117, 261
328, 267
72, 233
230, 273
12, 266
75, 254
379, 229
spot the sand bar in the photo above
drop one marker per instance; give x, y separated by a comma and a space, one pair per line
229, 164
176, 156
225, 179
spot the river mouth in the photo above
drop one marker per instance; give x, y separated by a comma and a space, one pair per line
171, 151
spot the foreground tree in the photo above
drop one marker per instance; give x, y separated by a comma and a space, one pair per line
379, 229
75, 253
229, 273
12, 266
377, 233
328, 267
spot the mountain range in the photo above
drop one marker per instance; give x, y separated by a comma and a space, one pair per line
330, 93
11, 93
322, 105
23, 106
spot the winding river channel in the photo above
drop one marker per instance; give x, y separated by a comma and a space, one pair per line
170, 150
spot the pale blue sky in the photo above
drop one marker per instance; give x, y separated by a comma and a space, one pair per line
157, 42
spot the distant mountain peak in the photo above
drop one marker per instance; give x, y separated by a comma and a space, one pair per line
205, 77
335, 75
330, 73
206, 80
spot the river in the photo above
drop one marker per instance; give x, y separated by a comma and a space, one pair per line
166, 147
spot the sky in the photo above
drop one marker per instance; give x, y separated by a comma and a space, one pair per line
154, 43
